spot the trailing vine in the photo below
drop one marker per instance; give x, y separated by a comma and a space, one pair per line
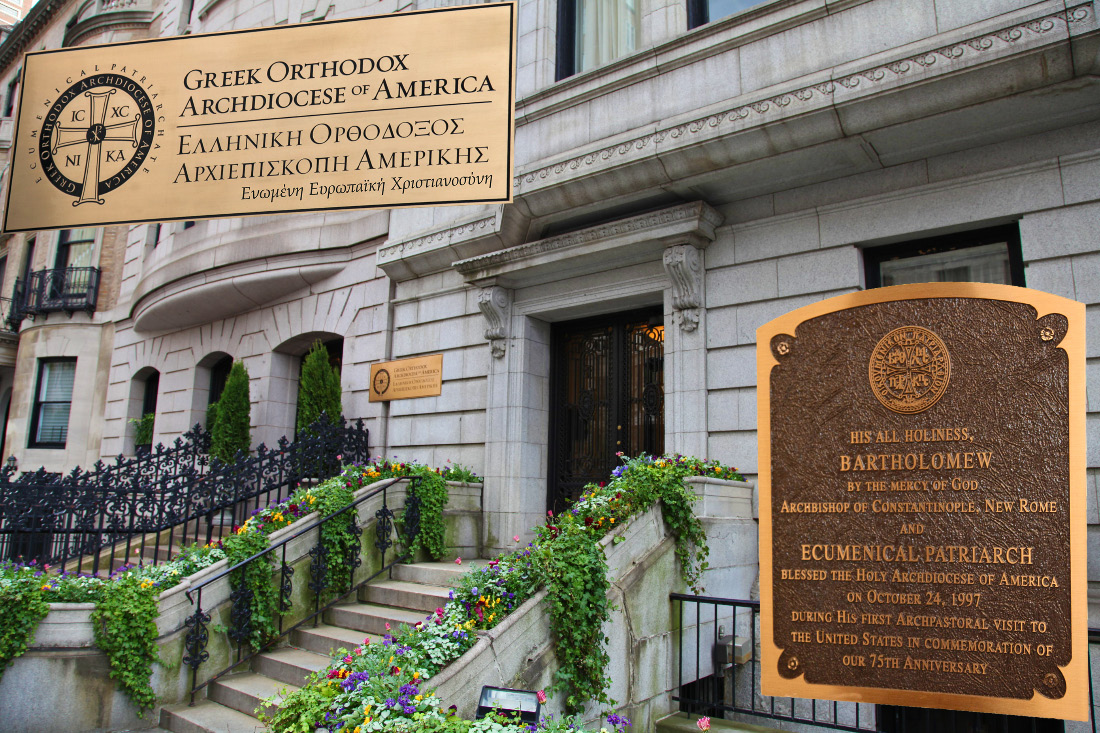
336, 535
577, 585
433, 496
256, 577
22, 606
575, 571
125, 628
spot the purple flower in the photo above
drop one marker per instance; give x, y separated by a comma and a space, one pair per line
390, 702
409, 710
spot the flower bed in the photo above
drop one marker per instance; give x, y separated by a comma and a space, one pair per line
125, 612
371, 688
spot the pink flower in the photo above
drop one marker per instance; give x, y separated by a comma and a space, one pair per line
387, 626
347, 659
703, 723
458, 561
516, 538
541, 696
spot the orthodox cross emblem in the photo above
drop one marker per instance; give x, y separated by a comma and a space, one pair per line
96, 136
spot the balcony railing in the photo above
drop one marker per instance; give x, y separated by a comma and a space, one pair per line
48, 291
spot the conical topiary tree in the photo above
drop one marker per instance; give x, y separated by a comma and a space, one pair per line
232, 419
318, 389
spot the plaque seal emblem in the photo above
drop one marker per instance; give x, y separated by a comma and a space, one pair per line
909, 369
96, 136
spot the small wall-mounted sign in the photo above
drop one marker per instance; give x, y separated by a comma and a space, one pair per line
406, 378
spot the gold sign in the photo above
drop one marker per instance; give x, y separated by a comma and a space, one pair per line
922, 500
408, 109
405, 378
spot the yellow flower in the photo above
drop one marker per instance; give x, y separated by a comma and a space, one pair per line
242, 529
419, 697
46, 586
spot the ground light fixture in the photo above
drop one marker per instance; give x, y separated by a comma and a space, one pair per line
504, 700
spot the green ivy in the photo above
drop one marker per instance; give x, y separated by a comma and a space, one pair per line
433, 496
256, 576
125, 628
336, 535
22, 606
576, 586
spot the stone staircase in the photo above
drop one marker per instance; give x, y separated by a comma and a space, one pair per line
412, 592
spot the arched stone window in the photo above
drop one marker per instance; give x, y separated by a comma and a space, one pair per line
142, 409
210, 375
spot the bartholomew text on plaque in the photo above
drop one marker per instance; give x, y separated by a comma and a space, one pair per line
405, 109
922, 480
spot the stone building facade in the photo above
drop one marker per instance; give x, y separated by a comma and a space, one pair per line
681, 179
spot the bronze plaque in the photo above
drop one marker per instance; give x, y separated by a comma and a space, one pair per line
405, 378
404, 109
922, 486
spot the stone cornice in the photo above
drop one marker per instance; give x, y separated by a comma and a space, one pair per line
23, 34
811, 96
692, 223
460, 232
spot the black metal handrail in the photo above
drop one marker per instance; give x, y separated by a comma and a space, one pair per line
198, 637
706, 694
153, 504
68, 289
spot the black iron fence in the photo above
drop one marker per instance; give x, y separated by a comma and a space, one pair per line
388, 534
68, 289
145, 508
718, 675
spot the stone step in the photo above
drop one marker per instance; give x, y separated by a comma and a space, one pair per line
289, 665
327, 639
403, 594
435, 573
244, 692
207, 717
370, 618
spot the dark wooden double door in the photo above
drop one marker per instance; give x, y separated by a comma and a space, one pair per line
607, 396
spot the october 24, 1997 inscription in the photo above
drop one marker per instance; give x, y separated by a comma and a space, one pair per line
921, 459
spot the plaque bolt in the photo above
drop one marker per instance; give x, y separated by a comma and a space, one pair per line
783, 348
792, 663
1046, 334
1050, 679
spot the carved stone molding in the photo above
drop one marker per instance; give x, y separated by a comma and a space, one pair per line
684, 266
1057, 25
692, 222
495, 303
